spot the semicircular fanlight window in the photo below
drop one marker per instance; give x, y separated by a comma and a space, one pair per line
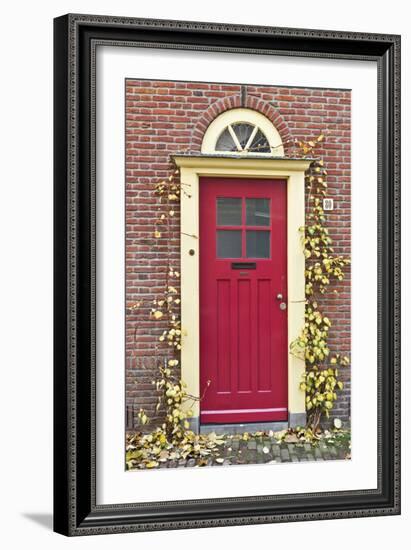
243, 137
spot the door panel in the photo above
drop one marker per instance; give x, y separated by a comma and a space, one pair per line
243, 331
223, 336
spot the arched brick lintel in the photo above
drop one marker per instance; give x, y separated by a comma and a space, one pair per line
235, 102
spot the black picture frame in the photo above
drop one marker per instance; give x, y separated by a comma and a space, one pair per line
75, 509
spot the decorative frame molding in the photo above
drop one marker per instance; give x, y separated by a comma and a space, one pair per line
75, 42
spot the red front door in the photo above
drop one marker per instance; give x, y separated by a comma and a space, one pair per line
243, 292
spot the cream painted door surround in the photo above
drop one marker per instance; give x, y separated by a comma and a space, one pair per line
192, 168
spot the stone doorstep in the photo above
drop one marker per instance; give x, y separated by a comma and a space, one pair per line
233, 429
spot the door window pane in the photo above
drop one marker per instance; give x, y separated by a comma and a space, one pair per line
258, 244
243, 131
260, 143
257, 211
225, 142
228, 244
228, 211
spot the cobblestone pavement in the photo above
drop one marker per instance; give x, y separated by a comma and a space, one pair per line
263, 450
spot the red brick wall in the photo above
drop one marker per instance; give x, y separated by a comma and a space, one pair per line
164, 118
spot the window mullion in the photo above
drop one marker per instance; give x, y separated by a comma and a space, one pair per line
235, 138
250, 139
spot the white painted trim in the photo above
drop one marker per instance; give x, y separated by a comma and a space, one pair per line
192, 168
220, 123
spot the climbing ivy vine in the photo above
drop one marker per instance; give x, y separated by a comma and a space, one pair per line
321, 380
173, 440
